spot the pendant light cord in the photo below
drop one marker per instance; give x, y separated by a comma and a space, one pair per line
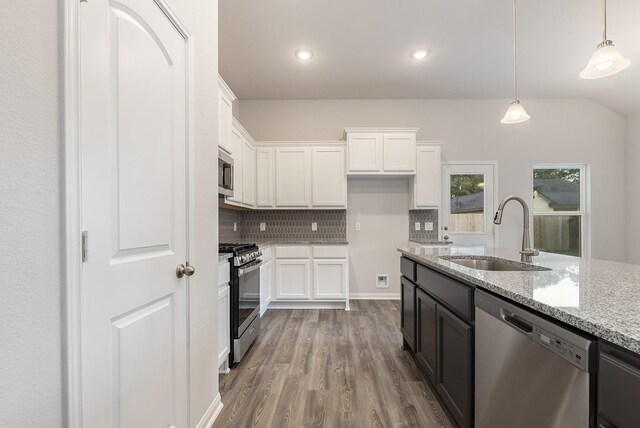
515, 42
604, 27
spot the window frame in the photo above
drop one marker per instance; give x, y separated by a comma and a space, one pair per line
585, 203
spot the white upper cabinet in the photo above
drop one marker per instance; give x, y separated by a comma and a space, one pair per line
244, 167
329, 178
293, 177
249, 174
225, 115
426, 185
364, 152
390, 151
399, 153
265, 166
237, 147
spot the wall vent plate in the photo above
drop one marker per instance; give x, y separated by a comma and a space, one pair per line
382, 280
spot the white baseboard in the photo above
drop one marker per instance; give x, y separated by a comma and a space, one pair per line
374, 296
211, 414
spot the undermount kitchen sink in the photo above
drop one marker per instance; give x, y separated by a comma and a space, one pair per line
493, 264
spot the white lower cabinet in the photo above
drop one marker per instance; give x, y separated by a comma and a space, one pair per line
292, 279
265, 285
224, 321
308, 274
330, 279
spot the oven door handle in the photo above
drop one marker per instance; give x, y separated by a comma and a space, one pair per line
242, 271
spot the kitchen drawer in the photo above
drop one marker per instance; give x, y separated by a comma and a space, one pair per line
224, 274
293, 252
330, 252
408, 268
456, 296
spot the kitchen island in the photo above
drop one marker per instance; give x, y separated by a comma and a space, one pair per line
595, 298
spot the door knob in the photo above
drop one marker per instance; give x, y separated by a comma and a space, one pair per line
183, 270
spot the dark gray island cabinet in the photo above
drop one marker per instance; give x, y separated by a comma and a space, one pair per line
437, 325
618, 400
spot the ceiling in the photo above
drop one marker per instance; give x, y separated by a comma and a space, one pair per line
362, 49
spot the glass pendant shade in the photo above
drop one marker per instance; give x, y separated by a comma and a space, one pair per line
605, 61
515, 114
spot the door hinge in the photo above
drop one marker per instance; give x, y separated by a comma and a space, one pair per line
85, 246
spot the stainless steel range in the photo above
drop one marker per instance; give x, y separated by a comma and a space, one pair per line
245, 297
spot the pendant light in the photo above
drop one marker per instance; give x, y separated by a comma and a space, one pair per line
516, 112
607, 59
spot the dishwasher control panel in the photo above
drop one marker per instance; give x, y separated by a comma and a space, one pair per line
570, 352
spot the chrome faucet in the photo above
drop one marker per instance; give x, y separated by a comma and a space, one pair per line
526, 253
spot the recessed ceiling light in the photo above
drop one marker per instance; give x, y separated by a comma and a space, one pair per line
304, 54
420, 54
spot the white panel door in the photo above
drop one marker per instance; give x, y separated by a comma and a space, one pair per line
293, 177
364, 152
293, 278
427, 182
265, 195
329, 179
330, 279
135, 186
225, 118
224, 325
237, 143
399, 153
249, 174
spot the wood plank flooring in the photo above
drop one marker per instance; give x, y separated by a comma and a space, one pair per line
329, 368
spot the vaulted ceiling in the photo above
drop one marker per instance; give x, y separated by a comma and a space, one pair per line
362, 49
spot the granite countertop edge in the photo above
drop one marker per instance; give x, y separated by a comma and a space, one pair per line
224, 256
599, 330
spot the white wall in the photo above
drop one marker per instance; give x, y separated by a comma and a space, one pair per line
380, 206
30, 359
561, 130
30, 213
633, 188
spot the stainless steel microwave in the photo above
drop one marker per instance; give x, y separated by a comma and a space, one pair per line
225, 174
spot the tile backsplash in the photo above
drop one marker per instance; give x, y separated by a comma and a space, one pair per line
423, 216
283, 225
226, 218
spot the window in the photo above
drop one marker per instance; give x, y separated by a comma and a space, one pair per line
559, 209
467, 203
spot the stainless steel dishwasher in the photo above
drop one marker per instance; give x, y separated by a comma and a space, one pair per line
529, 372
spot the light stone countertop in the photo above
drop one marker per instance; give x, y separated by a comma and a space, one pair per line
596, 296
224, 256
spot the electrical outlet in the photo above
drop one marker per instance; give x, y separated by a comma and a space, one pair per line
417, 225
263, 227
357, 225
428, 225
314, 227
235, 226
382, 280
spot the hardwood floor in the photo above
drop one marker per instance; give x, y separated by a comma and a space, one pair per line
329, 368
